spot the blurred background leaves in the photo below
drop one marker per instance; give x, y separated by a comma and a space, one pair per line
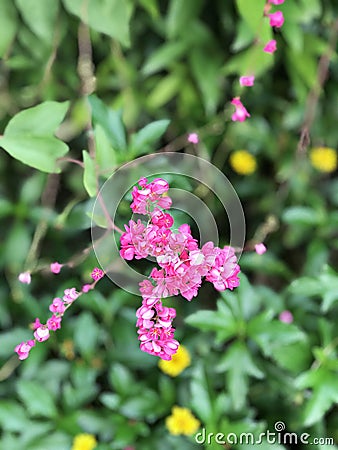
157, 70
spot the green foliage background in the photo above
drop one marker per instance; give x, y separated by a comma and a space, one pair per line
163, 69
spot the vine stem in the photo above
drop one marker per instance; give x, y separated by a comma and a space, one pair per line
48, 200
313, 97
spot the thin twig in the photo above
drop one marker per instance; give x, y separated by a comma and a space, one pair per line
313, 97
48, 200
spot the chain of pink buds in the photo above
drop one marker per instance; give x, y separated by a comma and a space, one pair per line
182, 265
58, 307
276, 20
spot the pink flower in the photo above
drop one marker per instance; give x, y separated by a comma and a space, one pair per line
55, 267
41, 334
276, 2
24, 348
57, 306
270, 47
158, 342
146, 289
240, 113
182, 264
161, 219
276, 19
247, 81
70, 295
260, 248
224, 272
159, 186
286, 317
25, 277
86, 288
193, 138
36, 324
150, 195
164, 202
54, 322
97, 274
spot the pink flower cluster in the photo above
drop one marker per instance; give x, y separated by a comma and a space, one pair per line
193, 138
53, 323
42, 331
240, 113
276, 20
182, 265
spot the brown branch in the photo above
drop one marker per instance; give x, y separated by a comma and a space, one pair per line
48, 200
313, 97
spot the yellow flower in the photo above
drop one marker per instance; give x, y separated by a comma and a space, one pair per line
324, 159
180, 361
84, 441
243, 162
182, 421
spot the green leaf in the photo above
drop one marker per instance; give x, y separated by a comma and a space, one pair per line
111, 17
34, 431
110, 121
167, 391
238, 365
40, 17
164, 56
316, 256
121, 379
244, 37
221, 322
294, 357
329, 283
89, 174
8, 25
32, 188
329, 298
306, 286
302, 65
151, 6
181, 13
325, 286
36, 398
252, 13
302, 215
16, 246
12, 416
272, 334
86, 334
251, 60
140, 406
6, 208
164, 90
144, 140
111, 401
324, 384
245, 301
54, 441
29, 138
201, 398
99, 220
83, 378
105, 154
207, 72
